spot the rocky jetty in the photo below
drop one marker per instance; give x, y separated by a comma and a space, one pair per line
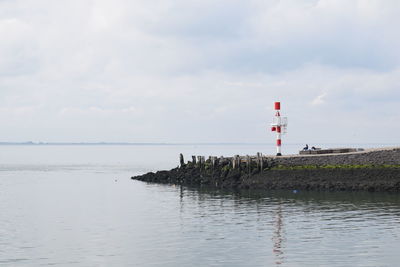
369, 170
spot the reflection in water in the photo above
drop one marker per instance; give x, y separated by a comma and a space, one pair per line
306, 228
277, 237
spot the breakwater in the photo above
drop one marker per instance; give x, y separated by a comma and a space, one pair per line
369, 170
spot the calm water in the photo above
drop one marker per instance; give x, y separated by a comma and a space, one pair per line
76, 206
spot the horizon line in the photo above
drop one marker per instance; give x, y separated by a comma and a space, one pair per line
165, 143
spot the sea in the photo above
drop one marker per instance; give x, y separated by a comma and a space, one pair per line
76, 205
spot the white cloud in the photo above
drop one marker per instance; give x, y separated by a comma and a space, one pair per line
196, 70
319, 100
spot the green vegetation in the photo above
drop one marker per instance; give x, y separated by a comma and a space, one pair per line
207, 165
226, 168
339, 166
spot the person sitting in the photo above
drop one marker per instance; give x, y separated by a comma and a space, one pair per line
305, 148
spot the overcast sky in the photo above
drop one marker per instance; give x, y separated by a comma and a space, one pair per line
199, 70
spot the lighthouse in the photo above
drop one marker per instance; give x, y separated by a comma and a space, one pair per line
279, 125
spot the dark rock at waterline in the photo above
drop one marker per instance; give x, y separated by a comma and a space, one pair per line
368, 179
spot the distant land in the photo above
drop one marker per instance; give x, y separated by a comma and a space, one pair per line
326, 145
30, 143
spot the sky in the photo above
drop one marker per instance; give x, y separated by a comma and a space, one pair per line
199, 70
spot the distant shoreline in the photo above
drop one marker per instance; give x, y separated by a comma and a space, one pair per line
30, 143
127, 144
122, 144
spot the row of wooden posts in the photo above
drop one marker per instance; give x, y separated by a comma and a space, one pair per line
235, 161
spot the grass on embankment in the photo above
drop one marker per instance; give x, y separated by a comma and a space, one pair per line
339, 166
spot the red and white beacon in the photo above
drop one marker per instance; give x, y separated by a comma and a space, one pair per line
279, 125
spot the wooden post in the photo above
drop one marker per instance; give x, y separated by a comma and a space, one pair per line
248, 161
212, 159
262, 162
181, 160
194, 160
199, 161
